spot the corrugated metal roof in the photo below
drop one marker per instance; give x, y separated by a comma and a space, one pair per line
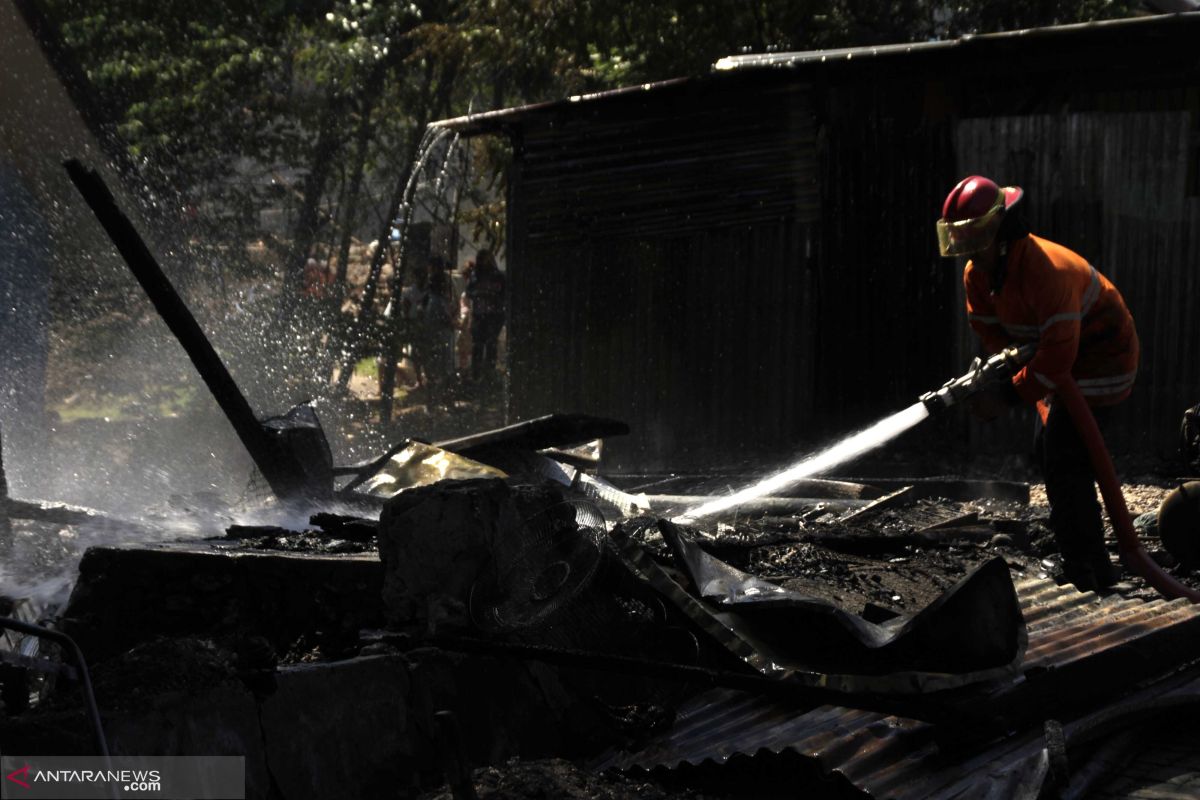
500, 119
890, 757
1130, 26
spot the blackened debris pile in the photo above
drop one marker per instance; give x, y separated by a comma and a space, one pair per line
519, 601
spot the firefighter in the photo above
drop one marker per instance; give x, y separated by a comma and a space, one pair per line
1021, 288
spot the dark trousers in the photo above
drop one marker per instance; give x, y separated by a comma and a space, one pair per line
1071, 485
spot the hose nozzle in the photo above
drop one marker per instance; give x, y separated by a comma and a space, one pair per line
981, 376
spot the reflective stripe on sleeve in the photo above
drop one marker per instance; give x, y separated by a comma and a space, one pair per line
1099, 391
1066, 316
1114, 384
1042, 379
1128, 377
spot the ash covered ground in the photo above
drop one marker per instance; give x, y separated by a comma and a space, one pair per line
897, 560
892, 561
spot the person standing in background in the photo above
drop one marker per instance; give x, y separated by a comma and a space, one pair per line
486, 301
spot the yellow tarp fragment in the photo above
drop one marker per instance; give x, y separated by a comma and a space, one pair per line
420, 464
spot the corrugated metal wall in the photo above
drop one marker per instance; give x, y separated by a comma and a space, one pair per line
661, 268
729, 282
1118, 188
885, 298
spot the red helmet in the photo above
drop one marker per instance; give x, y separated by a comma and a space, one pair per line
971, 215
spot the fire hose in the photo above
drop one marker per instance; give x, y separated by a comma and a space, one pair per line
1001, 366
1128, 545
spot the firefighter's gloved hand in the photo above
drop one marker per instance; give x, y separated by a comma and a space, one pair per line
993, 401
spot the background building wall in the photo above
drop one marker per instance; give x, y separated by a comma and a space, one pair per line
665, 274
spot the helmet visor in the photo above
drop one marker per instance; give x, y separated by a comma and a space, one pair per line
967, 236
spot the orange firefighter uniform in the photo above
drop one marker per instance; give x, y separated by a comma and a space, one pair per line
1053, 296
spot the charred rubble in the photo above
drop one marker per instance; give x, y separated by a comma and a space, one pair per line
507, 620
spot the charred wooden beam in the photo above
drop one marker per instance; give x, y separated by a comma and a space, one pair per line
958, 489
859, 543
896, 498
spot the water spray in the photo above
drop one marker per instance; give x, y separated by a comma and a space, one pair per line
982, 375
288, 476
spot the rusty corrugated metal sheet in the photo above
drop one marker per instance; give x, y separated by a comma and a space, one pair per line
890, 757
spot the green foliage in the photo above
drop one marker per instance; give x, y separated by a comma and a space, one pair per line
990, 17
231, 108
161, 73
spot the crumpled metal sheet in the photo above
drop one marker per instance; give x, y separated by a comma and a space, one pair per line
747, 643
420, 464
891, 757
974, 627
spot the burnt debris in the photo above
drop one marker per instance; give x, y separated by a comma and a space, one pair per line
547, 619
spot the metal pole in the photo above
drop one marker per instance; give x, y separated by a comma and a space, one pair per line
84, 678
